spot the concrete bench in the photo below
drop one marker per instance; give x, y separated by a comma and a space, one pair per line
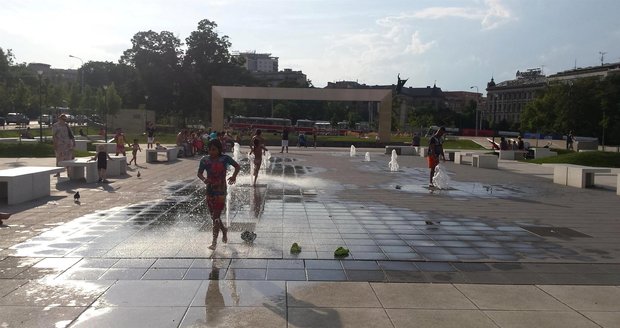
82, 168
401, 150
117, 166
576, 175
21, 184
81, 144
484, 161
449, 154
542, 152
423, 151
460, 155
512, 154
109, 147
171, 154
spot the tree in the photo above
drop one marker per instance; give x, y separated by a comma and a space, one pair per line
156, 58
207, 62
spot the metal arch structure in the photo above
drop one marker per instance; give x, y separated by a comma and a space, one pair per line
383, 96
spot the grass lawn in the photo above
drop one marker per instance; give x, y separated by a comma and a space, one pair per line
590, 158
36, 149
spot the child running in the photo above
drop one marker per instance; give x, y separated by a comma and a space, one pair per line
134, 152
258, 149
216, 163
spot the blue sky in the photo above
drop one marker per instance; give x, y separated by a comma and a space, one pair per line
458, 44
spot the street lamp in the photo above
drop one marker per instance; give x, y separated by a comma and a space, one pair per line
105, 104
476, 122
82, 84
146, 100
40, 107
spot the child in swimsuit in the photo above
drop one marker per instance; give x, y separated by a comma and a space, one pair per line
258, 149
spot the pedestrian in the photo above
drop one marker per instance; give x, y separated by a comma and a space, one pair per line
284, 139
503, 144
569, 140
102, 157
258, 149
314, 136
435, 152
63, 140
257, 135
520, 143
119, 138
415, 141
215, 164
134, 152
150, 135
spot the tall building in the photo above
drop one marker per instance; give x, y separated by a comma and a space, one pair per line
600, 72
506, 100
257, 62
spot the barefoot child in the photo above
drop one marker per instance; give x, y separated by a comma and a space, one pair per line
134, 151
258, 149
215, 164
102, 157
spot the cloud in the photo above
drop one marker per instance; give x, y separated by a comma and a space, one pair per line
416, 46
491, 16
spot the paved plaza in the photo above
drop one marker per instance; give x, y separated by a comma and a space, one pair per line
500, 248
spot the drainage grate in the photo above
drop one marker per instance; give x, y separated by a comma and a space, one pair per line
559, 232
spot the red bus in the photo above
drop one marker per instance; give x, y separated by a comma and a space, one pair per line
267, 124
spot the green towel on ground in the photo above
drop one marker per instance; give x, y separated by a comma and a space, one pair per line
295, 248
341, 251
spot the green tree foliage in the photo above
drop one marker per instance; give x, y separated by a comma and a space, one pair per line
585, 106
207, 62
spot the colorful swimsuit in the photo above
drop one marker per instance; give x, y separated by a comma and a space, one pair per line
216, 173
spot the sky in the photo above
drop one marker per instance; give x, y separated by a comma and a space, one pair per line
453, 44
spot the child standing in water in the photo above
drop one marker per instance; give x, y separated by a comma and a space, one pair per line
258, 149
134, 151
215, 164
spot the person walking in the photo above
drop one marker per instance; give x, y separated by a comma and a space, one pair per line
63, 139
215, 164
134, 152
284, 139
435, 152
569, 140
258, 150
150, 135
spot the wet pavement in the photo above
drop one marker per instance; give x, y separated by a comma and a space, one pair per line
137, 236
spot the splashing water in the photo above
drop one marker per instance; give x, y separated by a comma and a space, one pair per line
266, 161
367, 157
236, 152
393, 164
352, 153
441, 179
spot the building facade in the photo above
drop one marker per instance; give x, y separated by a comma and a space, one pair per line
259, 62
506, 100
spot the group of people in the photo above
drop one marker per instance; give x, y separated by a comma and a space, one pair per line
511, 144
193, 141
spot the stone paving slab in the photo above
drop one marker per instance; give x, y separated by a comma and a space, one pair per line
509, 230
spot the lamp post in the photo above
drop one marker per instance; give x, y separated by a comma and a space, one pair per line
40, 73
146, 100
476, 122
105, 107
82, 82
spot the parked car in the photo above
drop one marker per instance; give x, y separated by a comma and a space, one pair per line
47, 119
17, 118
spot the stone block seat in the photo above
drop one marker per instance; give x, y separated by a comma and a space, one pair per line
401, 150
484, 161
21, 184
577, 175
170, 152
